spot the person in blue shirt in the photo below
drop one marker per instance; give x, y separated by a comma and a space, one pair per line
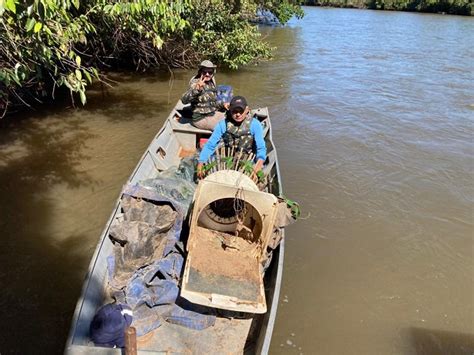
239, 130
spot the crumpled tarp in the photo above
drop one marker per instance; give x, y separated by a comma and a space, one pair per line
285, 217
147, 275
140, 236
152, 294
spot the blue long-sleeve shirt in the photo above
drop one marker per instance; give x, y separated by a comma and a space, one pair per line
256, 130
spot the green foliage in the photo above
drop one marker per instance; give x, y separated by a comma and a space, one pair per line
223, 36
40, 47
284, 10
247, 166
48, 44
137, 29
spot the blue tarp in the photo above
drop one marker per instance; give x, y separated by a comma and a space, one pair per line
224, 93
152, 293
153, 289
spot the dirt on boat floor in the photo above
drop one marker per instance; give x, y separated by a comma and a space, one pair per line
233, 332
218, 253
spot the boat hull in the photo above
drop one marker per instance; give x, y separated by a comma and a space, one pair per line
251, 334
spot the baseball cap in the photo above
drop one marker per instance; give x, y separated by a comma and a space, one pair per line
109, 324
238, 102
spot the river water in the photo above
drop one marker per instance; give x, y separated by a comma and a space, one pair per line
373, 120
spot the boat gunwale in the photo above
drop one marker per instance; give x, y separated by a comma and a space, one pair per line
281, 253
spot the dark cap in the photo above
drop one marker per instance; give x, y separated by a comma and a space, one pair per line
238, 102
109, 324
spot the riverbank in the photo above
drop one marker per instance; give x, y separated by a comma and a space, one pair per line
48, 47
451, 7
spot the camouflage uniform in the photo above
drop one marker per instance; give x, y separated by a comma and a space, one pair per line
239, 136
203, 102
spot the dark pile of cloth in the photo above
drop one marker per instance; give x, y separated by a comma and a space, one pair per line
146, 266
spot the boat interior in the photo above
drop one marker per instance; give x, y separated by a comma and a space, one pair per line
234, 332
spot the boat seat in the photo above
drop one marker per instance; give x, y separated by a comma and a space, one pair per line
182, 124
182, 121
262, 113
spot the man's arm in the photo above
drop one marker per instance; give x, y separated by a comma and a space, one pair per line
256, 130
212, 142
210, 147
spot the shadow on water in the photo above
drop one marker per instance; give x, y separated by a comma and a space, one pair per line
42, 273
440, 342
40, 278
152, 77
126, 104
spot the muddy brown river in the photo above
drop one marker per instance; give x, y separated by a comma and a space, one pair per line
373, 118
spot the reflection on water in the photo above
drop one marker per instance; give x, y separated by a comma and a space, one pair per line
372, 116
35, 157
60, 173
440, 342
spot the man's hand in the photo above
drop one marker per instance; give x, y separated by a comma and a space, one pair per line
199, 85
258, 166
200, 170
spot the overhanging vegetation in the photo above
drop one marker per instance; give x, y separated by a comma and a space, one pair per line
50, 44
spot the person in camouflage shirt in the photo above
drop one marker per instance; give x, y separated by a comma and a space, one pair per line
202, 95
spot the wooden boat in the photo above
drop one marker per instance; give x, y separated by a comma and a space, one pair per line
252, 334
